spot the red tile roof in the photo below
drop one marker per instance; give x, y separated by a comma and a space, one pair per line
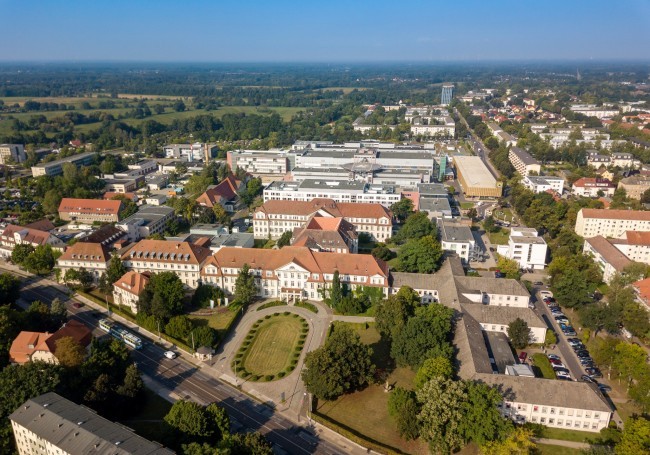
26, 343
90, 206
133, 282
28, 235
86, 252
167, 251
41, 225
226, 190
637, 238
637, 215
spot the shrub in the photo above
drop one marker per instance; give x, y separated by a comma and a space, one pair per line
239, 355
268, 316
254, 377
281, 374
288, 369
269, 377
286, 313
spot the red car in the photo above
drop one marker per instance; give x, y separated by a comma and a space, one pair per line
522, 357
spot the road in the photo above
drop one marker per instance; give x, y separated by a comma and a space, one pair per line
186, 381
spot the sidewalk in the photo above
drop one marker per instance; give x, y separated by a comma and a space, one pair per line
559, 442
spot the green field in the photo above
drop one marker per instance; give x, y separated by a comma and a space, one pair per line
274, 342
541, 362
366, 412
220, 320
500, 237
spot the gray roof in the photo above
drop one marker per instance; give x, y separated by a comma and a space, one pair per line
433, 189
236, 239
547, 392
69, 159
454, 232
502, 286
472, 354
149, 214
499, 346
77, 429
435, 205
502, 315
523, 155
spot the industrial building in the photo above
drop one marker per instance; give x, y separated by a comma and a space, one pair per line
475, 178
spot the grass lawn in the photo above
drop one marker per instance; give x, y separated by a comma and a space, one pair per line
366, 412
218, 321
503, 215
500, 237
271, 349
546, 449
540, 361
567, 435
466, 205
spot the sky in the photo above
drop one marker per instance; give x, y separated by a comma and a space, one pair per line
324, 30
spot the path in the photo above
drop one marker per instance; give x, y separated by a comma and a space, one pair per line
560, 442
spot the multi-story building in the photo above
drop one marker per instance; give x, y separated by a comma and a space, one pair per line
634, 245
635, 186
14, 235
148, 220
224, 194
50, 424
523, 163
144, 167
574, 405
609, 258
457, 238
266, 164
447, 94
593, 187
334, 235
90, 210
191, 152
525, 247
294, 273
121, 185
337, 190
591, 110
93, 257
543, 183
274, 217
475, 178
497, 319
53, 168
127, 290
39, 346
12, 153
182, 258
610, 223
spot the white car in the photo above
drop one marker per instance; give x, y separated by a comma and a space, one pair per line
545, 294
562, 374
170, 354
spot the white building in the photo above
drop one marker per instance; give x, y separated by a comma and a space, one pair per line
51, 425
525, 247
591, 110
127, 290
457, 238
12, 153
592, 187
148, 220
260, 163
523, 162
611, 223
190, 152
93, 257
338, 190
497, 319
543, 183
609, 258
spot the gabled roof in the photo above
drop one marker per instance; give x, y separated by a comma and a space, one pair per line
609, 252
86, 252
166, 251
41, 225
29, 235
25, 344
133, 282
637, 238
226, 190
607, 214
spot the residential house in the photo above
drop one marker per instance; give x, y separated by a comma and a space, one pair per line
224, 194
457, 238
127, 290
611, 223
593, 187
14, 235
635, 186
93, 257
543, 183
38, 346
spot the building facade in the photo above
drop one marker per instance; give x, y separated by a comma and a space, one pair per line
523, 163
542, 184
90, 210
53, 168
525, 247
127, 290
475, 178
593, 187
12, 153
93, 257
611, 223
447, 94
14, 235
148, 220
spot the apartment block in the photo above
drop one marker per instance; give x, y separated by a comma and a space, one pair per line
609, 258
12, 153
635, 186
93, 257
54, 168
259, 163
523, 162
525, 247
593, 187
611, 223
148, 220
457, 238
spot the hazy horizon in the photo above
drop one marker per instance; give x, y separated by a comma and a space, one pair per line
365, 31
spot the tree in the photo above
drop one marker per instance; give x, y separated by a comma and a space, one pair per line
51, 201
189, 418
179, 106
482, 421
220, 214
115, 269
472, 213
392, 313
245, 287
424, 336
519, 333
204, 293
420, 255
416, 226
403, 408
335, 291
442, 410
133, 385
635, 438
69, 352
162, 296
41, 261
490, 225
519, 442
250, 444
284, 239
128, 207
9, 288
382, 252
178, 327
508, 267
341, 366
435, 367
203, 335
218, 420
21, 252
645, 197
18, 383
402, 209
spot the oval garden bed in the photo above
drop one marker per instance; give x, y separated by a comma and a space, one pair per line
272, 348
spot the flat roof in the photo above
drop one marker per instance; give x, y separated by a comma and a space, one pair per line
474, 171
498, 345
455, 232
68, 159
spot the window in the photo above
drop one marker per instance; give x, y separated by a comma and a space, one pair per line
535, 408
597, 415
561, 412
576, 424
542, 420
559, 421
544, 410
552, 410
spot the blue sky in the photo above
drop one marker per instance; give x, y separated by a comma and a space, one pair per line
324, 30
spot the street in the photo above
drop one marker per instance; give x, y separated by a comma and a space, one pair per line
182, 379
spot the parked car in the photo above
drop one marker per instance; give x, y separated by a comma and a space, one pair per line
578, 347
545, 294
573, 341
553, 357
561, 369
594, 372
170, 354
538, 283
583, 354
522, 356
604, 388
586, 378
587, 362
569, 332
557, 363
562, 375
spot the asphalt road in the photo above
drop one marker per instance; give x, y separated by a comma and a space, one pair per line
189, 382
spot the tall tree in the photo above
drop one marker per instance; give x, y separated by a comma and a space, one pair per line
519, 333
442, 402
403, 408
416, 226
402, 209
69, 352
9, 289
335, 291
284, 239
392, 313
435, 367
245, 287
341, 366
115, 269
635, 438
421, 255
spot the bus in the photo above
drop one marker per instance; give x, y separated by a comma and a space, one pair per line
120, 333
